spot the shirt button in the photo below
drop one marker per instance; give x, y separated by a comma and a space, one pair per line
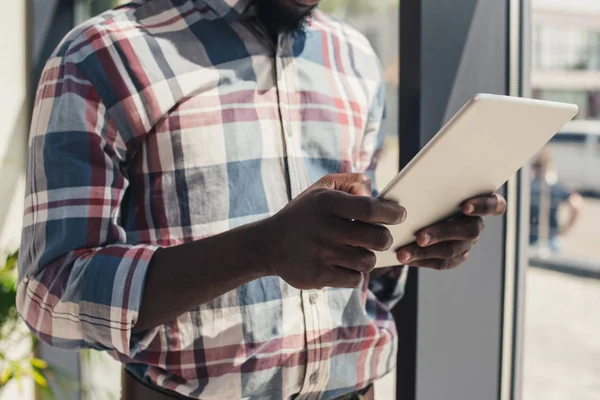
314, 378
313, 297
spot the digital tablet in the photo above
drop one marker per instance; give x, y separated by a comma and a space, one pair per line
474, 154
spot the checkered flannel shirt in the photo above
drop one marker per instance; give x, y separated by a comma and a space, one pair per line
168, 121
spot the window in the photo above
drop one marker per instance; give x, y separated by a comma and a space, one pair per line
86, 9
559, 361
588, 101
565, 49
379, 22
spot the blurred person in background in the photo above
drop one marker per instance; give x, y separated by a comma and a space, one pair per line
547, 197
199, 203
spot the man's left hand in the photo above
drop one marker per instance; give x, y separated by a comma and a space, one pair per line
446, 245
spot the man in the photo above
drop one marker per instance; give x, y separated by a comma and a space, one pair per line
547, 196
198, 203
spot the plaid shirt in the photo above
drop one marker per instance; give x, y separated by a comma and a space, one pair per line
164, 122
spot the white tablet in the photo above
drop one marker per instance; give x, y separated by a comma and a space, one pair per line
474, 154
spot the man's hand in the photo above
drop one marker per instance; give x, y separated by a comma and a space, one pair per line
326, 236
447, 244
311, 243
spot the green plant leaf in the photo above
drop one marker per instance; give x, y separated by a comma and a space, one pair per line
38, 363
38, 378
12, 261
8, 290
18, 377
5, 376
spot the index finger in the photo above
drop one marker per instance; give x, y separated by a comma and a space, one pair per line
366, 209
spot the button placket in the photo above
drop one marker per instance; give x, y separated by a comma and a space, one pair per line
296, 177
283, 86
318, 348
288, 129
298, 182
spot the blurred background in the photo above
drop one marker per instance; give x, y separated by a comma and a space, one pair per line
562, 298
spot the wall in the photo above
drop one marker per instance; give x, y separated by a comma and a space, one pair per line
14, 114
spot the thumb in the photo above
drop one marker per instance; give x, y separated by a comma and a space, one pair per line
357, 184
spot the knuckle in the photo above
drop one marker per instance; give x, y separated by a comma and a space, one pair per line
327, 178
323, 199
437, 237
364, 179
369, 208
449, 251
325, 181
419, 253
444, 264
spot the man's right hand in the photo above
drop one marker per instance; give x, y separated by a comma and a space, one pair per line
311, 243
326, 236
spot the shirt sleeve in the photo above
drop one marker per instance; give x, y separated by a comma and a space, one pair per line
80, 282
388, 288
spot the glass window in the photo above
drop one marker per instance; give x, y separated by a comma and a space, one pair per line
560, 359
557, 48
380, 23
588, 101
86, 9
594, 105
594, 51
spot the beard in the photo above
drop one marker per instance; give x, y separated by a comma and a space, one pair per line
278, 17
